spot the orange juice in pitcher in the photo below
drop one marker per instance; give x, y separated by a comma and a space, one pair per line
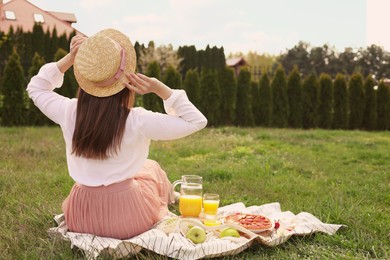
190, 203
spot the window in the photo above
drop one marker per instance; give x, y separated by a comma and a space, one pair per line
39, 18
10, 15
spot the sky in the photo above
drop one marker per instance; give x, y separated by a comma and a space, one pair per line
262, 26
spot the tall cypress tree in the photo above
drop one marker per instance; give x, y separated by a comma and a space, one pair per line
280, 99
265, 100
255, 96
383, 107
189, 57
48, 55
151, 101
325, 107
63, 42
369, 118
244, 114
35, 116
356, 101
310, 101
340, 119
53, 44
211, 96
28, 54
38, 39
192, 86
228, 88
13, 84
70, 86
172, 78
294, 91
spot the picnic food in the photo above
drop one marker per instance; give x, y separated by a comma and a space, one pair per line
252, 222
196, 234
229, 232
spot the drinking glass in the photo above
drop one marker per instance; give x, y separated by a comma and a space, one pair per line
210, 208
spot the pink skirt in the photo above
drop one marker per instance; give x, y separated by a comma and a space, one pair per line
120, 210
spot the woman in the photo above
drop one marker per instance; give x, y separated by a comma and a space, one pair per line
118, 192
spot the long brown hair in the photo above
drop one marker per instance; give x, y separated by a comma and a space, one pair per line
100, 123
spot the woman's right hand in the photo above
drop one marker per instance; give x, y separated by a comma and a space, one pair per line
67, 61
75, 44
142, 85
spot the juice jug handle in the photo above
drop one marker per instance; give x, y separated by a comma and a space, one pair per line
172, 194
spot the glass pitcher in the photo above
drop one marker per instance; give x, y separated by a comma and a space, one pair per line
190, 203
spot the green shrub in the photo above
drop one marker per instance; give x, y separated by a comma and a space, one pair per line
280, 108
310, 101
325, 107
356, 101
294, 91
370, 109
340, 117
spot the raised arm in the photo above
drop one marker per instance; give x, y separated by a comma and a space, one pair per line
67, 61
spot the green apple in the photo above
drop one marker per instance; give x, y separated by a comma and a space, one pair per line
196, 234
229, 232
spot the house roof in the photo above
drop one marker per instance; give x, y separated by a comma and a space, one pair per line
25, 14
233, 62
67, 17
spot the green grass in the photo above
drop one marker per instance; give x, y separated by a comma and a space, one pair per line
341, 177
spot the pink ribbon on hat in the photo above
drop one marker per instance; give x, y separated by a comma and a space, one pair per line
117, 75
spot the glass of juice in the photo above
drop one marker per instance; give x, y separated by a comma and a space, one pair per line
210, 209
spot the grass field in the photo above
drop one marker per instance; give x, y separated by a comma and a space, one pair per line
341, 177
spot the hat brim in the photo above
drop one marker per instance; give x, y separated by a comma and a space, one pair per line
118, 85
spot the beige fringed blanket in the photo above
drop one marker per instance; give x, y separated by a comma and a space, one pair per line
166, 237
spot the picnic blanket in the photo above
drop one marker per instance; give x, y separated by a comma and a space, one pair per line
166, 237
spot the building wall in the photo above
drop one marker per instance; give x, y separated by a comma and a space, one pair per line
24, 14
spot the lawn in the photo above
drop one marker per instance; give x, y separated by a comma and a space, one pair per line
341, 177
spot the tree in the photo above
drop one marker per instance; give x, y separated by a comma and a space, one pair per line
152, 101
297, 56
13, 84
340, 118
280, 99
265, 100
259, 61
172, 78
38, 39
138, 51
35, 116
356, 101
228, 86
372, 60
244, 115
48, 55
347, 61
164, 55
255, 96
189, 58
53, 43
192, 86
211, 96
383, 107
70, 86
370, 110
309, 101
325, 107
294, 93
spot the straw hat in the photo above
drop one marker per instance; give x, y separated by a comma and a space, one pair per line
102, 62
